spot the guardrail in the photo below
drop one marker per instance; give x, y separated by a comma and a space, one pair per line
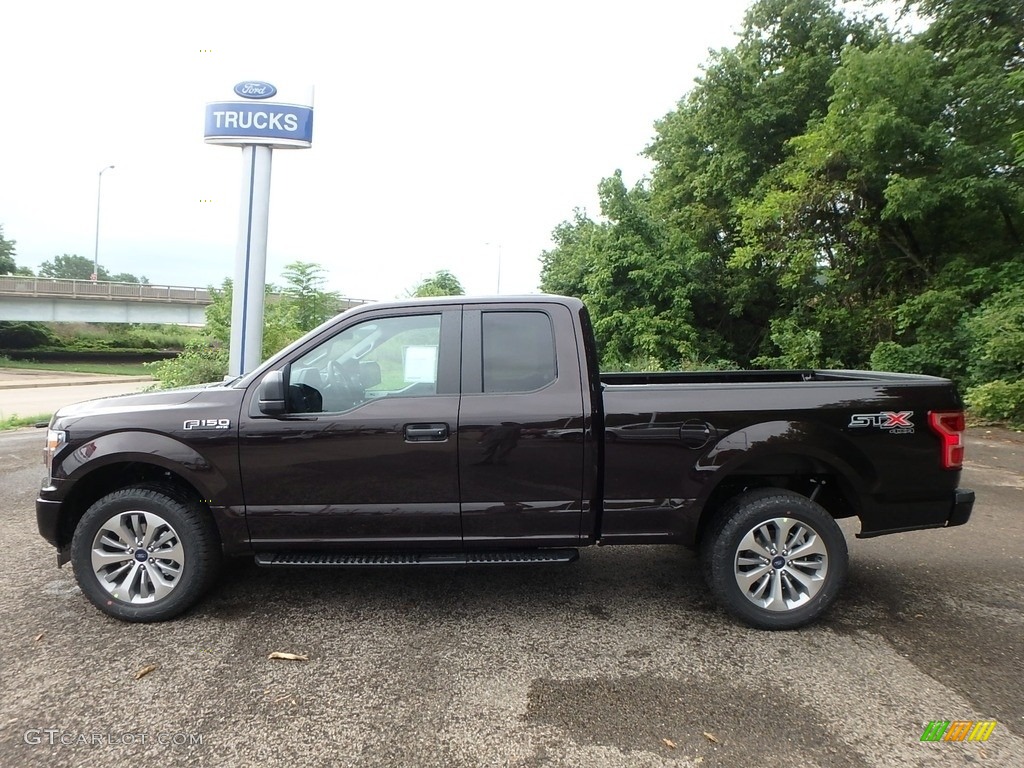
47, 287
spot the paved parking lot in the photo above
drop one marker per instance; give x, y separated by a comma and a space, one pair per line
617, 660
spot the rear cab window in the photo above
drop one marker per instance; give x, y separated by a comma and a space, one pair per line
518, 351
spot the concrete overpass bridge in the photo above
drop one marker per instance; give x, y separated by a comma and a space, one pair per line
56, 300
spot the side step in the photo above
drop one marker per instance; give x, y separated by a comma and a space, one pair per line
334, 560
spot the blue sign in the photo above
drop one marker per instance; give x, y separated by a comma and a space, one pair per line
255, 89
259, 123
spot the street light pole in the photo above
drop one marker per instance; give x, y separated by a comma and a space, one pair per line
498, 289
96, 248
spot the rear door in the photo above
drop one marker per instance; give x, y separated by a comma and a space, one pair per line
521, 427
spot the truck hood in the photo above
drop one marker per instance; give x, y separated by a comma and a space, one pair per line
142, 401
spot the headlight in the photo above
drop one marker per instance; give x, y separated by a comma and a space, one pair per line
55, 438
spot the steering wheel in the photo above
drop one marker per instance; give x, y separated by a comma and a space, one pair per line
344, 379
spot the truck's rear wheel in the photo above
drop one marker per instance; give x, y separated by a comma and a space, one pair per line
775, 559
145, 554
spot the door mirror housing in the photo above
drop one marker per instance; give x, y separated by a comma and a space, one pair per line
271, 394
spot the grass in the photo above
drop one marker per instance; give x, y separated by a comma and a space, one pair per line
17, 422
114, 369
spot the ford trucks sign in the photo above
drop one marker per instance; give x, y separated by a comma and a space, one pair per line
257, 112
255, 89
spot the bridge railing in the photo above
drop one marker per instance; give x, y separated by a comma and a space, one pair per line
13, 285
56, 287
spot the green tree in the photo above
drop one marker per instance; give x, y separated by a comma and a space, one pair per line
579, 243
312, 305
725, 137
74, 267
639, 297
830, 192
287, 314
128, 277
280, 327
7, 263
71, 267
441, 283
637, 289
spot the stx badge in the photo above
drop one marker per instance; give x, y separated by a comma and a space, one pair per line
896, 422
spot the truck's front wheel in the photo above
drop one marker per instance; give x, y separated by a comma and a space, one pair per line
774, 558
145, 554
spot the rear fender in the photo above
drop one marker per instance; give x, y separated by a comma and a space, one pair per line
767, 449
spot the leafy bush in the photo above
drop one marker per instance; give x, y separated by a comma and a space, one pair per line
998, 401
997, 333
635, 364
206, 358
799, 347
201, 362
932, 336
890, 356
24, 335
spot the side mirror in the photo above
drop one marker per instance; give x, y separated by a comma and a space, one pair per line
271, 394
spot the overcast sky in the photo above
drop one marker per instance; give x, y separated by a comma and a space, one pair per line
441, 129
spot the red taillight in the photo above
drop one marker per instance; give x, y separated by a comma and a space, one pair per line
949, 426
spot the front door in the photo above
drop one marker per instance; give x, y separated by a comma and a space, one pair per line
367, 456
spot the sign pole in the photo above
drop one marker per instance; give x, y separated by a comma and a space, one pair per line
249, 288
258, 118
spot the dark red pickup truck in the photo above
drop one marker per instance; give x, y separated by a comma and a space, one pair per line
477, 431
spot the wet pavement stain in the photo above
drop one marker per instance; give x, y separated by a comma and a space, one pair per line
604, 711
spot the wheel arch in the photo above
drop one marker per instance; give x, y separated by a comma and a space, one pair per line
806, 458
114, 476
125, 458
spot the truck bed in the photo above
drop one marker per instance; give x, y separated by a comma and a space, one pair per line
862, 436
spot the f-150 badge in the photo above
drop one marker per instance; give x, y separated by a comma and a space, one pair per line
895, 422
207, 423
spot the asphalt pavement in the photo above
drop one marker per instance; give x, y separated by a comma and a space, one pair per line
620, 659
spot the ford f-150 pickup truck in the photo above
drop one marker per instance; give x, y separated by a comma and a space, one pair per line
478, 431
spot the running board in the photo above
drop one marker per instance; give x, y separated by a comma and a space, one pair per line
333, 560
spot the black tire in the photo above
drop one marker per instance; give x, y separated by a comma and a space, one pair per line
179, 560
778, 591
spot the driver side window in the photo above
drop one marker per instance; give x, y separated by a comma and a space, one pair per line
383, 357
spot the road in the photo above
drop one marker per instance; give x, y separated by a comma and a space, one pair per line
618, 660
29, 393
46, 400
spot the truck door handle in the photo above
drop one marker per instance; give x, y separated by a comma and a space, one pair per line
420, 433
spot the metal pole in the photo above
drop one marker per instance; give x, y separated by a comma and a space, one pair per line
249, 287
96, 247
498, 288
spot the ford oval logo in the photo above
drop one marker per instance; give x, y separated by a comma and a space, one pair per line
255, 89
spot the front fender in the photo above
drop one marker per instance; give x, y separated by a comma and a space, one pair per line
154, 449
